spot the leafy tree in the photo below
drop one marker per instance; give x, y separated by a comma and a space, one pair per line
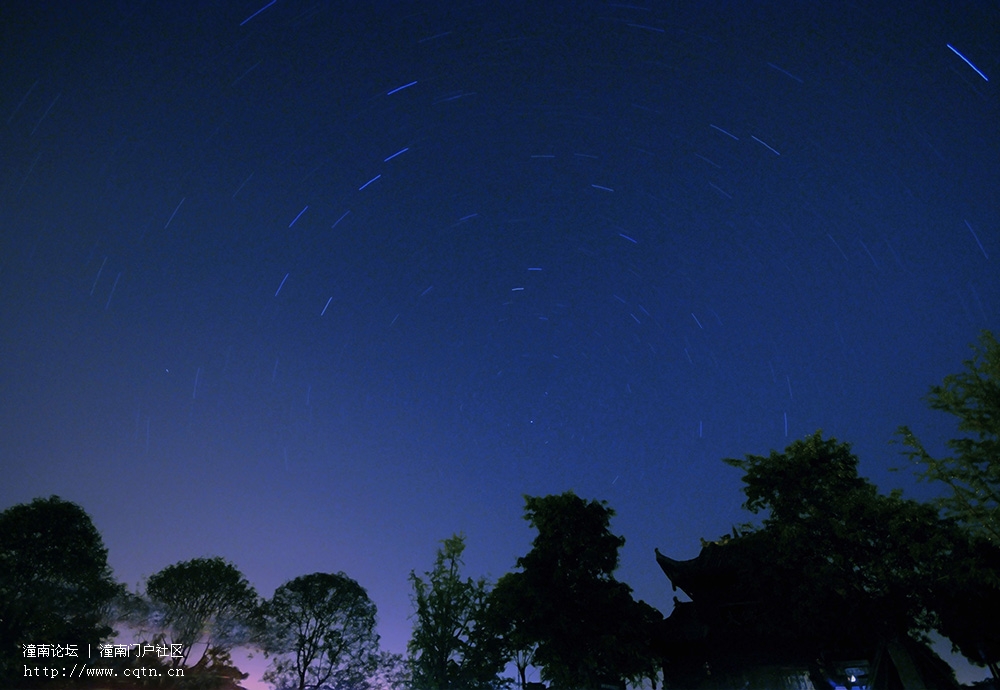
55, 582
452, 646
844, 567
585, 625
321, 629
501, 612
967, 597
204, 598
973, 472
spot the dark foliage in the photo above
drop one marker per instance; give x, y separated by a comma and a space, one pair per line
55, 584
320, 630
586, 628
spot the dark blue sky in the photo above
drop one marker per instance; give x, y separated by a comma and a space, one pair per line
315, 288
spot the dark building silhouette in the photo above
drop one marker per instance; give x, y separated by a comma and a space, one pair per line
734, 633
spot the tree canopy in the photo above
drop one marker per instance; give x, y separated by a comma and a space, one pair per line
453, 647
321, 630
204, 598
848, 569
586, 628
55, 582
967, 596
972, 474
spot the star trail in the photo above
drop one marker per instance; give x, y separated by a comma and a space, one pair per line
314, 286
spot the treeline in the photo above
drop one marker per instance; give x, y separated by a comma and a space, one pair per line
834, 572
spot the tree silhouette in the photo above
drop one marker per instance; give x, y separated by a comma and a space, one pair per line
839, 567
967, 596
321, 630
973, 473
55, 583
587, 629
501, 615
453, 647
204, 598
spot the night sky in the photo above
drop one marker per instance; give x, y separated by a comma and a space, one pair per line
313, 286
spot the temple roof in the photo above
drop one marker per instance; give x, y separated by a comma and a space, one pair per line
729, 624
714, 572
